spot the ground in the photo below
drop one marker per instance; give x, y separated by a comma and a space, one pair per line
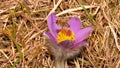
23, 22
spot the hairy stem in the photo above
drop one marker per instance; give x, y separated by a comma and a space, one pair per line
59, 64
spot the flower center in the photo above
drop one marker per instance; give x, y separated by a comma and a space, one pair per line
65, 34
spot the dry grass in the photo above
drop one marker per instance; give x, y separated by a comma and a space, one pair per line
23, 22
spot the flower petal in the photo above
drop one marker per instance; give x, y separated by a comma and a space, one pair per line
51, 21
75, 24
49, 35
66, 44
83, 43
82, 34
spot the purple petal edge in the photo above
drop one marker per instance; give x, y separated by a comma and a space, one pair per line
83, 43
49, 35
75, 24
82, 34
51, 21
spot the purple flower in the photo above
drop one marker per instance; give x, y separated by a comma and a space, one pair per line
67, 37
65, 42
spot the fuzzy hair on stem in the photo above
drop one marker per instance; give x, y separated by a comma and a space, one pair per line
61, 54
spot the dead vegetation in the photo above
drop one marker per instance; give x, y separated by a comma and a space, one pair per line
22, 23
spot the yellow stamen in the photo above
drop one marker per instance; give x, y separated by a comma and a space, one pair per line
65, 34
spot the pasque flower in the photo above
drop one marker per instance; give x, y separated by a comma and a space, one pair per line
68, 37
65, 42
